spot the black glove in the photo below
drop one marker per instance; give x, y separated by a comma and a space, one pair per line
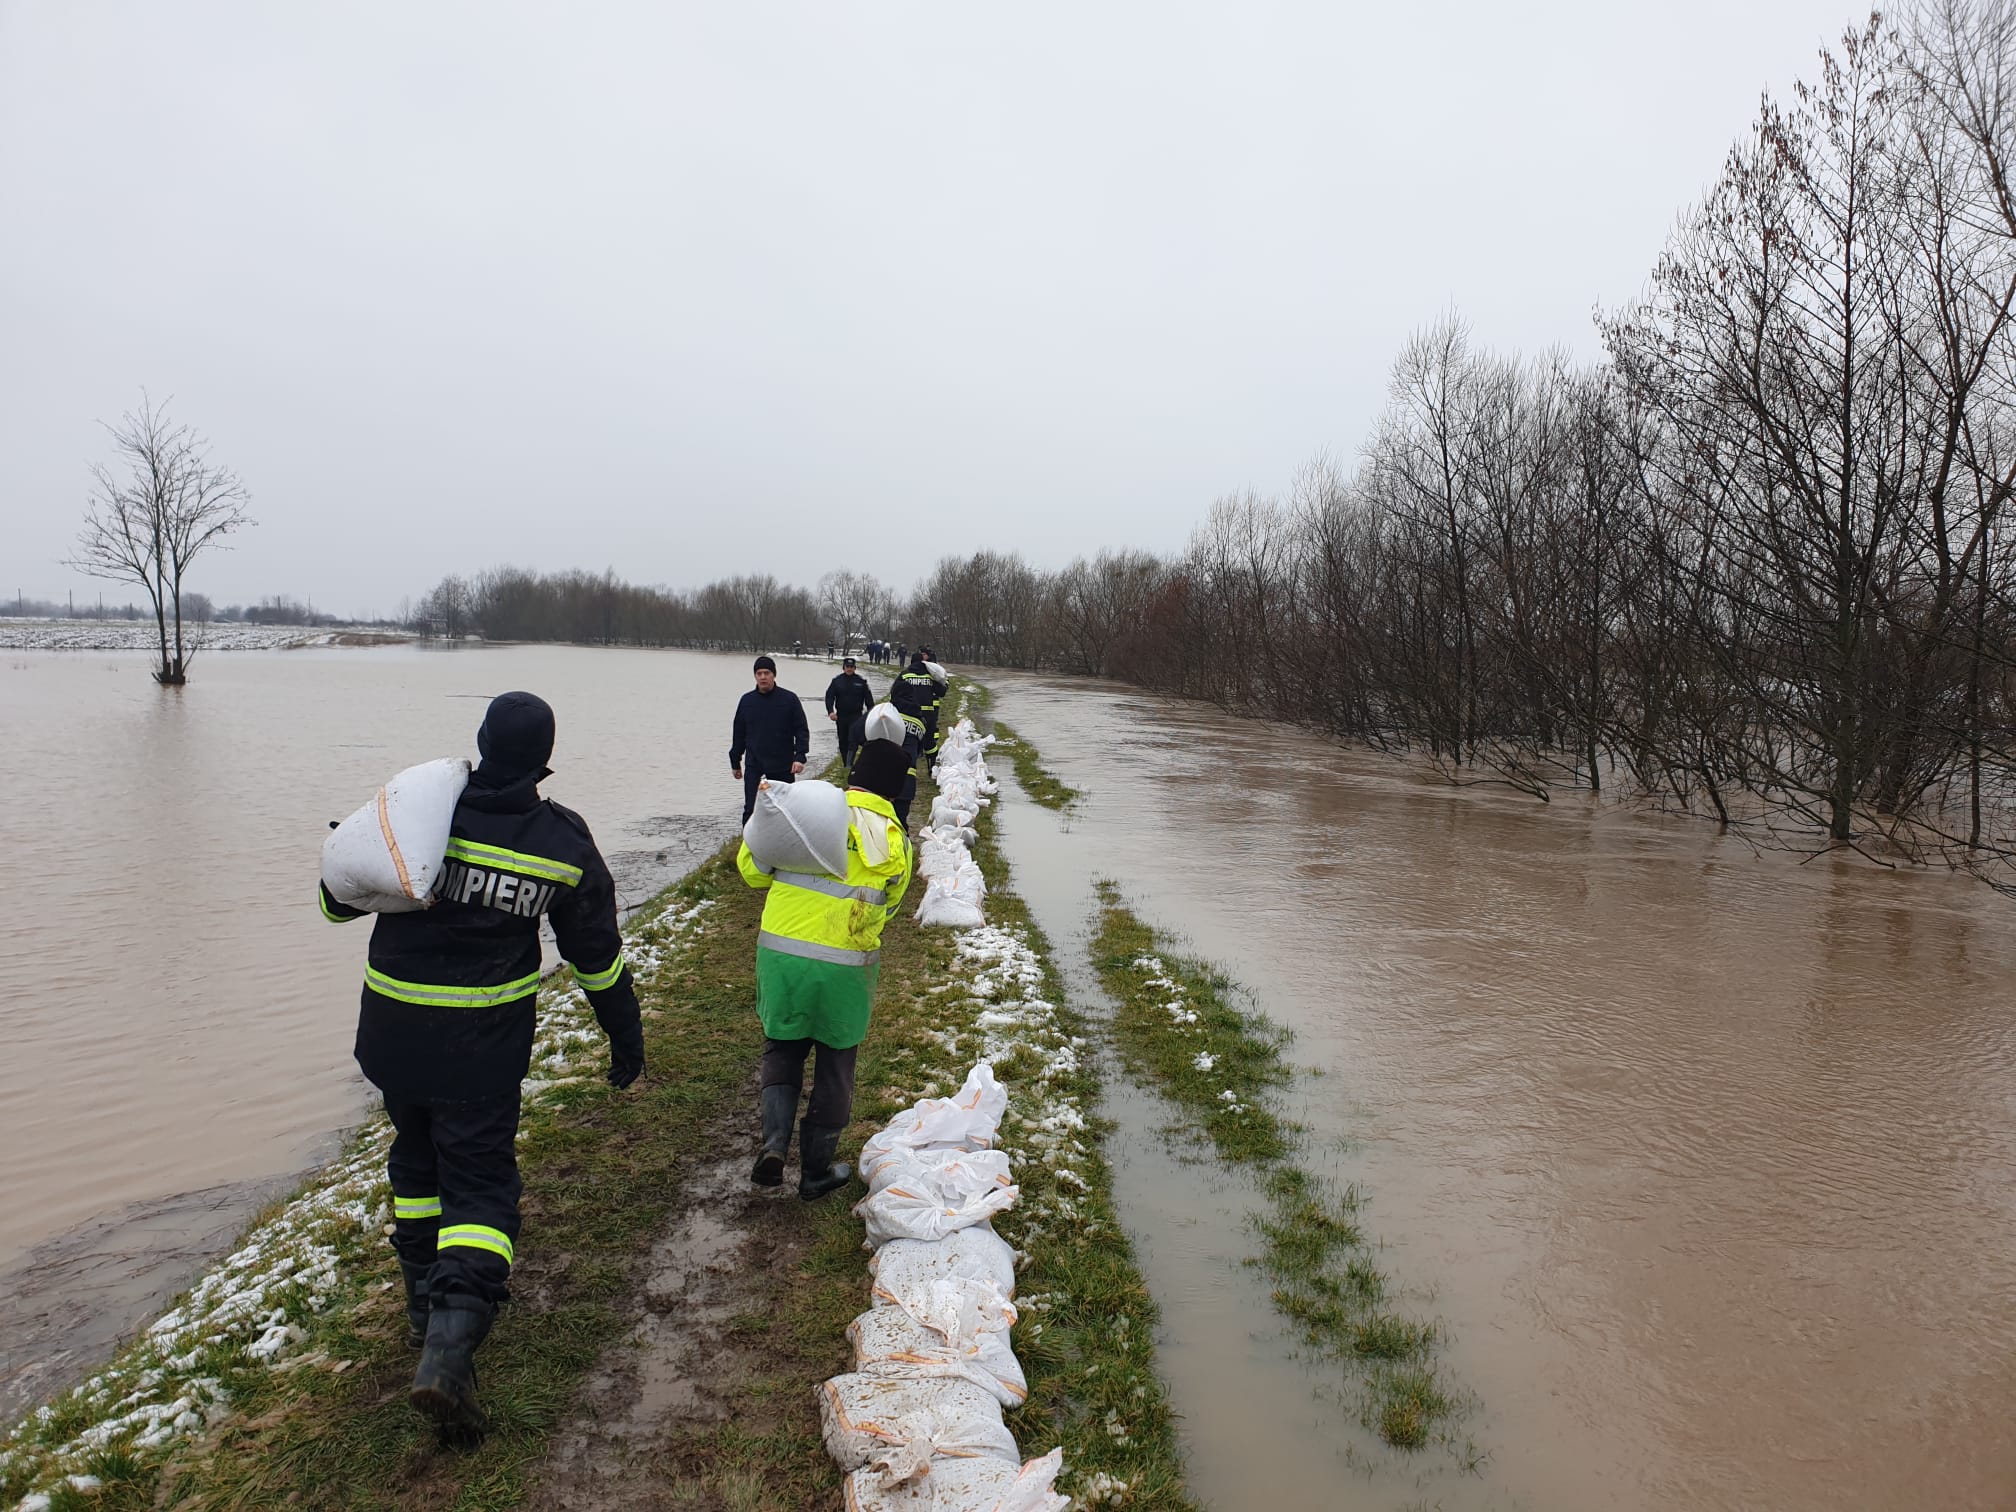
625, 1065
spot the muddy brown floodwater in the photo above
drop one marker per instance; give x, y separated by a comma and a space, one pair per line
177, 1016
1707, 1160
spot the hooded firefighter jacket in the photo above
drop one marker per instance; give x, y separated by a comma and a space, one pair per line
449, 994
819, 953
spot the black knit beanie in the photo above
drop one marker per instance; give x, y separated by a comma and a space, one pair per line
516, 735
880, 767
765, 664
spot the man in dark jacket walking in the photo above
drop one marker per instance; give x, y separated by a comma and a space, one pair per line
848, 699
770, 732
445, 1033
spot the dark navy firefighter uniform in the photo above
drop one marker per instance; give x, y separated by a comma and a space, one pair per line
445, 1027
848, 699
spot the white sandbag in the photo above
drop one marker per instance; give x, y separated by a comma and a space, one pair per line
1035, 1488
954, 902
904, 1425
891, 1345
948, 1485
937, 671
800, 826
941, 857
968, 1119
884, 723
953, 1328
908, 1267
928, 1209
947, 812
966, 1173
388, 856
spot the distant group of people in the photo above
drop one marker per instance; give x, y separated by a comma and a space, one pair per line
448, 1011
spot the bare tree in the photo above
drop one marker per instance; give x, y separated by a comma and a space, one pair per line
848, 601
152, 512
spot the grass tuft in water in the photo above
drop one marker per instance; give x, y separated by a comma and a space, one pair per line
1037, 780
1176, 1024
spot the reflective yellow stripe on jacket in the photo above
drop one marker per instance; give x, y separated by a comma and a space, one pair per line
496, 858
434, 995
825, 918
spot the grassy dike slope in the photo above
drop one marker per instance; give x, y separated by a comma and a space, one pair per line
306, 1406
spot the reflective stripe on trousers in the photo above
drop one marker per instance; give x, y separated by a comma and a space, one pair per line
477, 1236
595, 981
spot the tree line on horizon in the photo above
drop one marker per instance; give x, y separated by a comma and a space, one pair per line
1753, 564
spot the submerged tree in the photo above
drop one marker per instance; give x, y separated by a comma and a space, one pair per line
152, 512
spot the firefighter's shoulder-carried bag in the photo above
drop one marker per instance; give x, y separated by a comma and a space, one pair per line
386, 857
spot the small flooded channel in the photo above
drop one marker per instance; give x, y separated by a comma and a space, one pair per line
178, 1017
1704, 1158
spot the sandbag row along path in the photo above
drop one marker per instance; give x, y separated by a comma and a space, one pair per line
672, 1323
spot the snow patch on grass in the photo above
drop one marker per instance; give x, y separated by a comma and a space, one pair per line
247, 1312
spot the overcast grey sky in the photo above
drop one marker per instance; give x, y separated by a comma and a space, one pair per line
693, 289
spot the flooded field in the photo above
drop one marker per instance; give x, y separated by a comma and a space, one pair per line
178, 1015
1702, 1157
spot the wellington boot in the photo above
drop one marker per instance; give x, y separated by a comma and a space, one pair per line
444, 1387
817, 1174
417, 1306
780, 1106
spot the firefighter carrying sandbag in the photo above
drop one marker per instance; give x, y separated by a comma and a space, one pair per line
445, 1033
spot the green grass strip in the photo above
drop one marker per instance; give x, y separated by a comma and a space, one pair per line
1175, 1024
1037, 780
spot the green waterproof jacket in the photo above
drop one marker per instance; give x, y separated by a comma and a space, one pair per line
819, 953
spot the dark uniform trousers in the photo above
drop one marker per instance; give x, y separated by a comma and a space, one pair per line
851, 732
832, 1105
455, 1189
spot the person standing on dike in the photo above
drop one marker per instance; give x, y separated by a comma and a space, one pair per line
445, 1034
818, 958
848, 699
770, 732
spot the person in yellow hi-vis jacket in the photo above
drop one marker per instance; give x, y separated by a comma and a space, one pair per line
817, 960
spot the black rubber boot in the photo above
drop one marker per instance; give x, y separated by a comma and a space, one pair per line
817, 1174
444, 1387
417, 1306
780, 1106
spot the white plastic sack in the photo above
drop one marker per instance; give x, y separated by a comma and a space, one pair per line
954, 902
966, 1173
946, 813
941, 853
953, 1328
884, 723
1035, 1488
930, 1208
387, 857
937, 671
968, 1119
800, 826
948, 1485
908, 1267
904, 1425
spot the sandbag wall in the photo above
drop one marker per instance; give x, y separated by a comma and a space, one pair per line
917, 1423
953, 886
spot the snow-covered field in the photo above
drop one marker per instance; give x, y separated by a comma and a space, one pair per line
141, 635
